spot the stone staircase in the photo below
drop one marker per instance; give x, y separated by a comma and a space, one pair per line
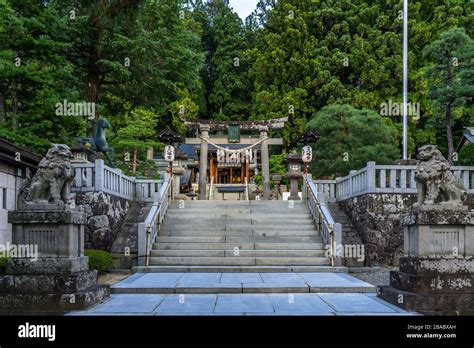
238, 236
349, 232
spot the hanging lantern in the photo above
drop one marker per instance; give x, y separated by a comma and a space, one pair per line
307, 154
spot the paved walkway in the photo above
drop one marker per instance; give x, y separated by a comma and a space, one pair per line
227, 294
168, 283
244, 304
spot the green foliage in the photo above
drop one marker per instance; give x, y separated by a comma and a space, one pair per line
466, 156
3, 262
452, 79
225, 74
35, 75
148, 63
349, 139
99, 260
313, 53
278, 166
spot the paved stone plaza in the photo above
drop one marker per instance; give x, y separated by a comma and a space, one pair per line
243, 294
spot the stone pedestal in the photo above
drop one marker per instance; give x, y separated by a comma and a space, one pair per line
294, 188
177, 173
436, 274
55, 277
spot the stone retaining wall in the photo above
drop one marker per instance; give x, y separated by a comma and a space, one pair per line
376, 217
105, 215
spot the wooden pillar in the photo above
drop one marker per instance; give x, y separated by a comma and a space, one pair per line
231, 175
247, 170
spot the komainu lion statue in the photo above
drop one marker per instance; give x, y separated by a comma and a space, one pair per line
435, 182
52, 181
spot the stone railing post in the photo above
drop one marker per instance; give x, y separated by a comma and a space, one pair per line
99, 175
371, 176
351, 184
337, 240
142, 244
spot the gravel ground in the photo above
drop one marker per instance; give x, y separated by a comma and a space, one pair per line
375, 276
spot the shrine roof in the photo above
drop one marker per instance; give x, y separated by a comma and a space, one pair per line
276, 123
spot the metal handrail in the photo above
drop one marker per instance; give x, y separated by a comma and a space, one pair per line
330, 230
156, 215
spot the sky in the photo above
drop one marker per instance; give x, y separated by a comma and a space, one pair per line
243, 7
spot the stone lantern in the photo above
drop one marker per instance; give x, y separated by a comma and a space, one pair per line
82, 152
294, 174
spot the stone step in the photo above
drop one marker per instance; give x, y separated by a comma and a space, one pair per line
177, 213
242, 239
216, 227
238, 269
243, 261
203, 220
241, 253
200, 246
275, 239
290, 245
241, 233
242, 282
242, 246
241, 209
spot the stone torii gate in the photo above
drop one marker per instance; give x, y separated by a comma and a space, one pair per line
205, 126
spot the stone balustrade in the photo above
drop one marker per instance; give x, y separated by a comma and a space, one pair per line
373, 178
93, 177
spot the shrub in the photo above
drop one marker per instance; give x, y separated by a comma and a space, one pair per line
99, 260
3, 263
466, 156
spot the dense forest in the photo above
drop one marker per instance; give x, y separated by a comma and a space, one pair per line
333, 65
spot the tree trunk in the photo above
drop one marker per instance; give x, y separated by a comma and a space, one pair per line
449, 126
134, 163
93, 70
449, 133
3, 111
14, 106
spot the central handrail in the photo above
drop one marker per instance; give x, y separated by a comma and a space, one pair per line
331, 232
148, 230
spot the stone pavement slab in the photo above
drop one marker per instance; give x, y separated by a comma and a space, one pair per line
218, 282
187, 304
354, 303
239, 278
147, 280
244, 304
299, 304
126, 304
335, 282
